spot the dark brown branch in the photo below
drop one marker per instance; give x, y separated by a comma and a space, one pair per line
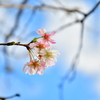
4, 98
14, 43
23, 6
91, 11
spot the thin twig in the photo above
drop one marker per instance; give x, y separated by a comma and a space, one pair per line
66, 25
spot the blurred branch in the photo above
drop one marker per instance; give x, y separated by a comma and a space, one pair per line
4, 98
66, 25
16, 21
77, 21
23, 6
47, 7
10, 34
28, 22
75, 60
81, 36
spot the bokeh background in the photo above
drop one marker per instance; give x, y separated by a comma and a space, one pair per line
20, 25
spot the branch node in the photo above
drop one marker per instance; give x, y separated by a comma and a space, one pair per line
18, 95
10, 43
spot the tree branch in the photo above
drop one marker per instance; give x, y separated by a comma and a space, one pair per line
4, 98
72, 68
23, 6
14, 43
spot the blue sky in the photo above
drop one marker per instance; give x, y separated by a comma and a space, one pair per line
43, 87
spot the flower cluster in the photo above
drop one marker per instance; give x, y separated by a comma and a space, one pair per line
41, 53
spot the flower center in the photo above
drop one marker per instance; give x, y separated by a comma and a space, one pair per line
34, 64
46, 37
41, 46
48, 54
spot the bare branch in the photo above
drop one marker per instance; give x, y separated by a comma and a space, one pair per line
82, 20
66, 25
4, 98
75, 60
23, 6
16, 21
10, 34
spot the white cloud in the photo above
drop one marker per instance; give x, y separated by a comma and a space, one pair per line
68, 42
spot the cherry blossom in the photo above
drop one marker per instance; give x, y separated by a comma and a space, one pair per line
46, 38
41, 53
49, 56
34, 67
39, 45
